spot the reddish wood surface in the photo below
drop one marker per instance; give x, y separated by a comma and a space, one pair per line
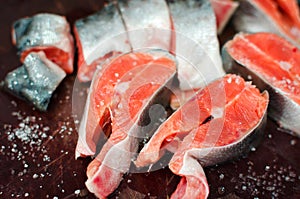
46, 168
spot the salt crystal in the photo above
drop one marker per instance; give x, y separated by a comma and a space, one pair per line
267, 168
26, 194
285, 65
77, 192
35, 176
221, 176
293, 142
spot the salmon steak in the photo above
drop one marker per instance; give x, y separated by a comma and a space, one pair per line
120, 27
277, 16
273, 65
221, 132
122, 94
36, 80
45, 32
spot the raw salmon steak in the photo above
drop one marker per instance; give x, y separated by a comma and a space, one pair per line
274, 65
206, 105
102, 92
98, 37
196, 44
223, 10
35, 80
128, 87
49, 33
217, 132
277, 16
148, 23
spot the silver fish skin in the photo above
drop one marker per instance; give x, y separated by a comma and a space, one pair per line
44, 31
197, 46
148, 23
35, 80
102, 33
282, 109
216, 155
250, 18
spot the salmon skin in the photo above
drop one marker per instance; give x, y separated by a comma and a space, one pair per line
197, 47
272, 65
148, 23
98, 37
35, 80
122, 26
278, 16
45, 32
233, 128
129, 93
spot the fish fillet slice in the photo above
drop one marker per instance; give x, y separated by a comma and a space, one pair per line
48, 33
273, 65
197, 47
99, 36
209, 144
277, 16
206, 103
134, 95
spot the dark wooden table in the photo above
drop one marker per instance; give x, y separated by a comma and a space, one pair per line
37, 149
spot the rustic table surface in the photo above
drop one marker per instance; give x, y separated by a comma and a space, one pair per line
37, 149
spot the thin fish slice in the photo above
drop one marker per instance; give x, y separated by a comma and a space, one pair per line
148, 23
219, 140
135, 94
45, 32
223, 10
277, 16
197, 47
206, 104
35, 80
102, 92
99, 36
273, 65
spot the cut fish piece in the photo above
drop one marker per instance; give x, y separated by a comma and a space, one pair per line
98, 106
220, 139
278, 16
223, 10
197, 47
274, 65
99, 36
129, 100
102, 92
148, 23
35, 80
205, 105
45, 32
